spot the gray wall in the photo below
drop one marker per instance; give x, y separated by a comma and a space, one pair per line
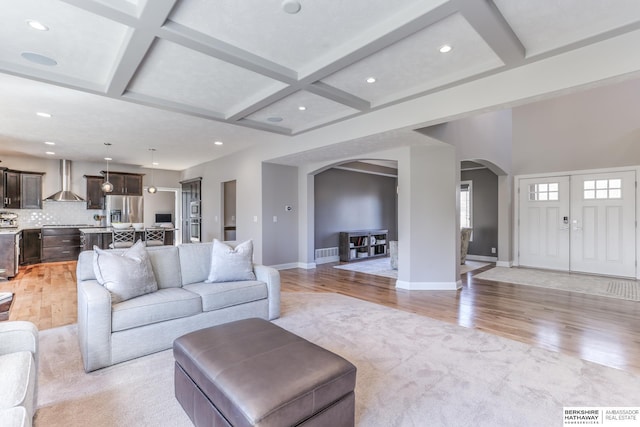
346, 200
280, 227
485, 211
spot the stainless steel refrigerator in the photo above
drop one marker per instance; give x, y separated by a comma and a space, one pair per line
125, 209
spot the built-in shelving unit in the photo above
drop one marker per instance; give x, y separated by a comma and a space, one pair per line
363, 244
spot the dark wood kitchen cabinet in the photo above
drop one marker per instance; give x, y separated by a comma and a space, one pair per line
95, 196
125, 184
12, 189
60, 244
30, 190
22, 190
30, 246
9, 246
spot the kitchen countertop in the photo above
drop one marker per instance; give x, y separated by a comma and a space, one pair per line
10, 230
15, 230
110, 229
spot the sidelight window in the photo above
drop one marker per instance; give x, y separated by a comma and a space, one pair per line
466, 202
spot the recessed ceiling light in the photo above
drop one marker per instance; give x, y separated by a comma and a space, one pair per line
50, 143
371, 80
37, 25
39, 59
51, 153
445, 48
274, 119
302, 108
291, 6
43, 114
218, 143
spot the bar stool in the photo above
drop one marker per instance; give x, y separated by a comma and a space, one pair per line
154, 236
122, 238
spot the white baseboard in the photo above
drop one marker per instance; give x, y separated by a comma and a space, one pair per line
482, 258
306, 265
285, 266
429, 286
327, 259
507, 264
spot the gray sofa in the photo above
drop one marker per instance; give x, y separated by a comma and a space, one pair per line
18, 373
112, 333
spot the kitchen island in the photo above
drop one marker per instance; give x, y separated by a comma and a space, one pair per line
102, 237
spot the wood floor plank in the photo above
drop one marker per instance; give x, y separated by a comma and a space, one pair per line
598, 329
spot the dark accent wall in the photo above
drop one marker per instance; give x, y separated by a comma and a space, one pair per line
485, 211
346, 200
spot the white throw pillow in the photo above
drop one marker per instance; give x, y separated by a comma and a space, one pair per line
126, 275
230, 264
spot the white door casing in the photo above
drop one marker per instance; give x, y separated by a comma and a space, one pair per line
544, 222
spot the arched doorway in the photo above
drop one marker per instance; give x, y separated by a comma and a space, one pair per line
354, 195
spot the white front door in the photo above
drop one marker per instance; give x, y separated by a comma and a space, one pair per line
544, 223
603, 217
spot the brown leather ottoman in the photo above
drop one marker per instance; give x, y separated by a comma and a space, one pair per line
254, 373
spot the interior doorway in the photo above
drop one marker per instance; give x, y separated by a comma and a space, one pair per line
229, 210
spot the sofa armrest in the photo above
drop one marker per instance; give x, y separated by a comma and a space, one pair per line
271, 277
18, 336
94, 324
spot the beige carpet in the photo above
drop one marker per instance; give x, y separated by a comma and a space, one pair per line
572, 282
412, 371
382, 267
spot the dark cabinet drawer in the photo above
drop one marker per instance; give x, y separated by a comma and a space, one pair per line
64, 240
60, 253
60, 244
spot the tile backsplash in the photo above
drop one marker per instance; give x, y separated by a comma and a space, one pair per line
57, 213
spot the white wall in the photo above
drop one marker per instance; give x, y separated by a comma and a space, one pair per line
486, 136
159, 202
246, 169
598, 128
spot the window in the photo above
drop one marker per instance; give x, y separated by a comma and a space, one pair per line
466, 205
602, 189
544, 192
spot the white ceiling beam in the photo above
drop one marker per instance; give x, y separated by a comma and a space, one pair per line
202, 43
176, 107
338, 95
122, 12
487, 20
137, 45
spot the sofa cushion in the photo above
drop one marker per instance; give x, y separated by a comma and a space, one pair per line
195, 262
164, 304
126, 275
15, 379
15, 417
227, 294
166, 266
231, 264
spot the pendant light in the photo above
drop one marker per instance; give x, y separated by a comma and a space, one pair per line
106, 186
152, 189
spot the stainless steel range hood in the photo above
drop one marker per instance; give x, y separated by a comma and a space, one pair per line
65, 195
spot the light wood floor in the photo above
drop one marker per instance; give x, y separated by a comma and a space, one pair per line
598, 329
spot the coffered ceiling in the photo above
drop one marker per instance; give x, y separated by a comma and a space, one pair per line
177, 75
